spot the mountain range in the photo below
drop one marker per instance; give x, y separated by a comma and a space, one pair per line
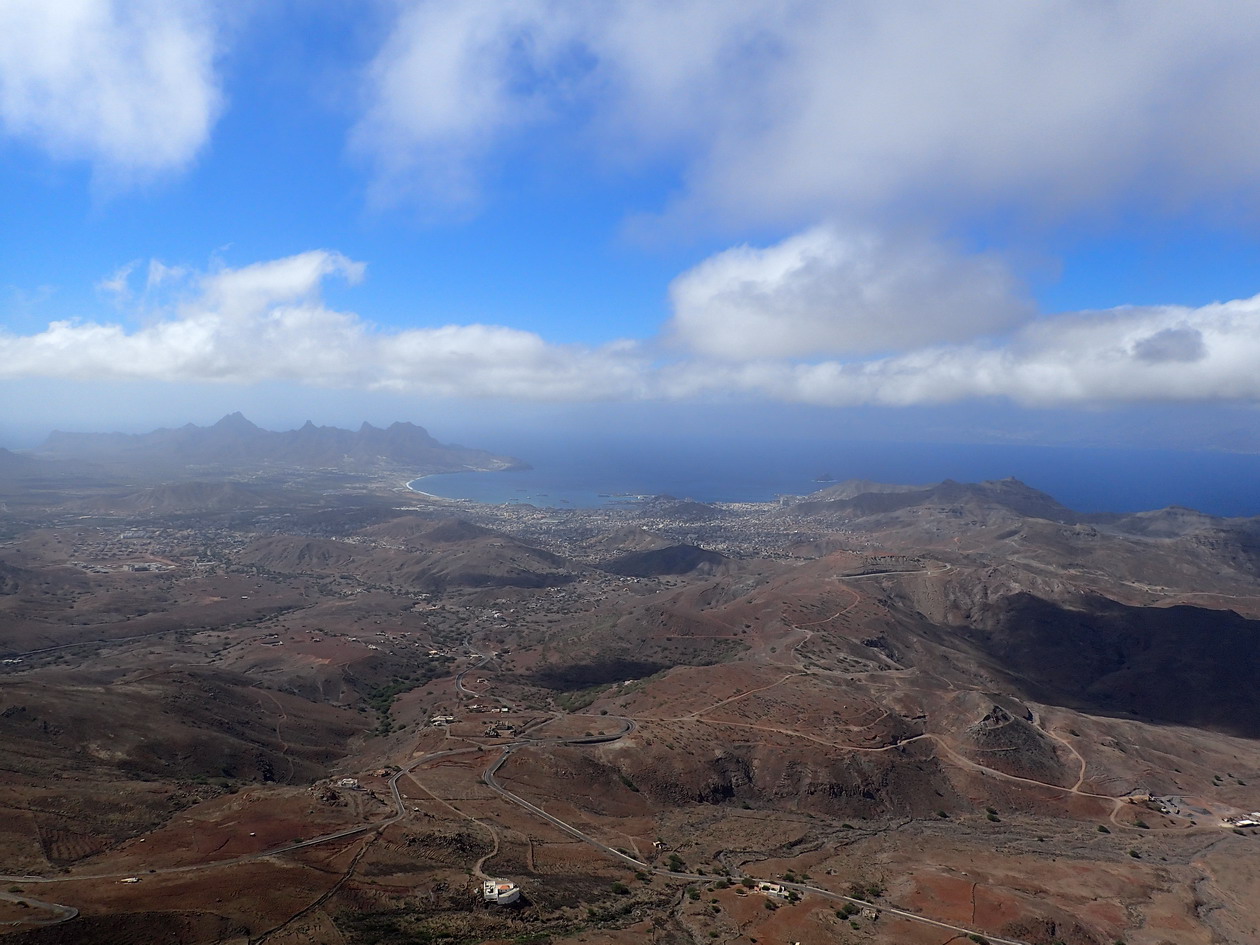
235, 442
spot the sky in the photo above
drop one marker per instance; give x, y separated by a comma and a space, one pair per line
993, 221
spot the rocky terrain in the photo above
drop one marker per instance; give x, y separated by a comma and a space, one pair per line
235, 709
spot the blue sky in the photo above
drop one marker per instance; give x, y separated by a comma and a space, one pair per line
1004, 221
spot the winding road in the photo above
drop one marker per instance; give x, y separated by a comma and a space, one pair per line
489, 778
62, 913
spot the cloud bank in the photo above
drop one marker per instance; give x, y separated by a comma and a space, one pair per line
128, 86
268, 322
806, 109
1168, 354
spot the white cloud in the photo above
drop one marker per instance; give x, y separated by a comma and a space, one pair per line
268, 321
255, 290
449, 79
128, 86
118, 283
1122, 356
785, 111
827, 292
159, 273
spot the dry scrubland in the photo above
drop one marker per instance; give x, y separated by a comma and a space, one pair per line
963, 705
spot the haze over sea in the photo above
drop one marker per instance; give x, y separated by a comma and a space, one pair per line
597, 472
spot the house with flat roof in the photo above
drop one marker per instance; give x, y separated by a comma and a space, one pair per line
501, 892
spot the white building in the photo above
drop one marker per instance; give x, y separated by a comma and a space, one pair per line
500, 891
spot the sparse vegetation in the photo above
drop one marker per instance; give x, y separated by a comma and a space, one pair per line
362, 624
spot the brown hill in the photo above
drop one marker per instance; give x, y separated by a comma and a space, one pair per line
949, 701
1008, 498
851, 488
622, 540
16, 465
427, 530
178, 724
1185, 665
14, 579
485, 559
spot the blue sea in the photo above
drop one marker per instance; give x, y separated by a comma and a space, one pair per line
593, 472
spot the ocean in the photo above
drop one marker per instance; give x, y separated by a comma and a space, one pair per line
593, 472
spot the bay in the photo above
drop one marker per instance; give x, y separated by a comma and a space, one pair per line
591, 472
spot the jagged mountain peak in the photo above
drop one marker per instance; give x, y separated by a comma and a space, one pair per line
235, 421
236, 442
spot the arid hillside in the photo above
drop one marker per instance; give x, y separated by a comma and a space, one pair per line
246, 712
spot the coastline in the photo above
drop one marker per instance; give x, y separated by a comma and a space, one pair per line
428, 495
1118, 481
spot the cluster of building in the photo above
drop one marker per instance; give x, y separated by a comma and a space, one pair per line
736, 528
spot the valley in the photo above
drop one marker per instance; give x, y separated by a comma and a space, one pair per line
328, 709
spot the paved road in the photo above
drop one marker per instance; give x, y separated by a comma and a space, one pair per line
63, 913
58, 912
459, 677
489, 778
